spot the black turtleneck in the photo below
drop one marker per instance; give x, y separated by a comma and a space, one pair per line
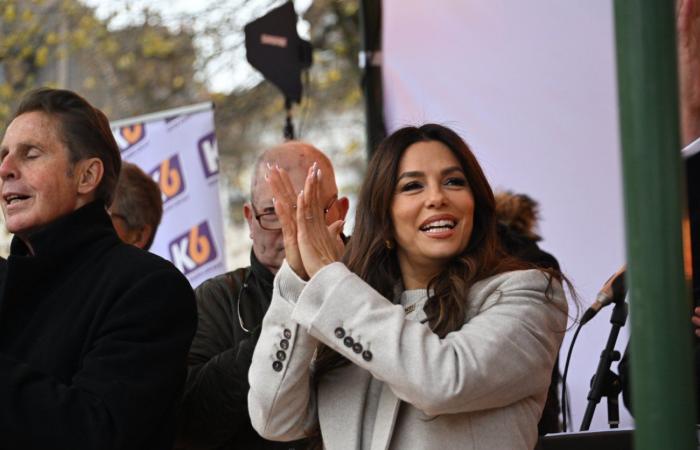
85, 226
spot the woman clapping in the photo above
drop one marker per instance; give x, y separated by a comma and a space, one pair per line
422, 333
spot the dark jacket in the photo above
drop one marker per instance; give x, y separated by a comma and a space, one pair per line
93, 338
214, 409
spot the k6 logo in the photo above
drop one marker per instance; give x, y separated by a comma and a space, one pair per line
193, 249
129, 135
209, 155
169, 177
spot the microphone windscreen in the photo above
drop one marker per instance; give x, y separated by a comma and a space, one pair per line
619, 287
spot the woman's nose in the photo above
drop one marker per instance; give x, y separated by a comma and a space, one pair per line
436, 197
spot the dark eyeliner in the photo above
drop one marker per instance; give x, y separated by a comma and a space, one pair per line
456, 181
411, 185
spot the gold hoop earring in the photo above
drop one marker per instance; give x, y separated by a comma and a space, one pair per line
388, 244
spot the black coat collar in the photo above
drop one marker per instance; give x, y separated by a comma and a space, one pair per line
58, 248
261, 273
64, 235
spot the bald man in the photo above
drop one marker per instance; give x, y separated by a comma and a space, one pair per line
214, 413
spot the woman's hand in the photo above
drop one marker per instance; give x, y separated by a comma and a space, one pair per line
319, 244
696, 321
284, 199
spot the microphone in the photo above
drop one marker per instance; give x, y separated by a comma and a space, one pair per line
613, 291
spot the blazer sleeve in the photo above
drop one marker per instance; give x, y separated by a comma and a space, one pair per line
503, 354
281, 401
213, 405
130, 376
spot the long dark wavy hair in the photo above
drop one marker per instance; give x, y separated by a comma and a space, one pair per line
368, 256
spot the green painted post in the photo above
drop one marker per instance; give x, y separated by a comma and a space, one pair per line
662, 383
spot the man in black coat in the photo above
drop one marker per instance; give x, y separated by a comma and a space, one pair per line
93, 332
214, 410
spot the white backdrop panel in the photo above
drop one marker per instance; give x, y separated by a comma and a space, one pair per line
531, 87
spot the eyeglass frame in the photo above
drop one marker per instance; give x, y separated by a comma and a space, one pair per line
258, 216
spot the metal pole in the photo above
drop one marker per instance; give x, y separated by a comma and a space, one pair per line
371, 65
662, 382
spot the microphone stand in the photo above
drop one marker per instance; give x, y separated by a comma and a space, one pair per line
605, 382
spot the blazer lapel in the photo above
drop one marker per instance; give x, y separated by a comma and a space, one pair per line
341, 399
387, 409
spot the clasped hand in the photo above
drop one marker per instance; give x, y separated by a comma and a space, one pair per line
309, 243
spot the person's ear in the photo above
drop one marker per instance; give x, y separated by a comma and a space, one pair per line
343, 206
90, 173
249, 217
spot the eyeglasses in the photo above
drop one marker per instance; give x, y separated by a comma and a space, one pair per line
269, 220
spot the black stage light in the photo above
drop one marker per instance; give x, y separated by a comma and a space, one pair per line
275, 49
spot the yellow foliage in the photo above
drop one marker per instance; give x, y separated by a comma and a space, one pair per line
178, 81
350, 8
110, 46
340, 48
334, 75
27, 15
353, 97
125, 61
89, 83
41, 56
51, 38
352, 148
5, 90
10, 13
15, 39
275, 106
26, 52
154, 45
80, 38
86, 22
68, 6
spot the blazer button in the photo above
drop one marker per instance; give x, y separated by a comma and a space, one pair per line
367, 355
287, 333
277, 366
284, 344
281, 355
339, 333
357, 347
348, 341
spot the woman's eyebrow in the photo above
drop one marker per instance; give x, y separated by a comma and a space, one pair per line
411, 174
419, 174
451, 169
